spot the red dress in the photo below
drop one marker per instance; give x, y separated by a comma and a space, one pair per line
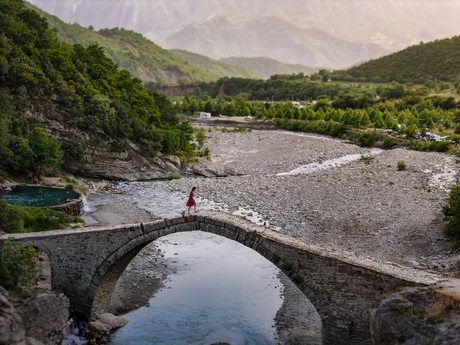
191, 201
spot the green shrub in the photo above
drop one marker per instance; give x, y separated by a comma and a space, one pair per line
275, 258
53, 172
17, 218
451, 213
19, 265
388, 143
401, 166
287, 267
298, 279
368, 138
173, 177
10, 218
70, 186
69, 179
457, 129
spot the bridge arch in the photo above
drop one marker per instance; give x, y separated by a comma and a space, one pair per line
342, 286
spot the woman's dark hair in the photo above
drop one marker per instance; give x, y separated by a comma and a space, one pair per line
194, 188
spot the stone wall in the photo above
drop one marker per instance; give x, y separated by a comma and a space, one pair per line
342, 286
72, 208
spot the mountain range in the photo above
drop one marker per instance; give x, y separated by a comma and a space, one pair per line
329, 33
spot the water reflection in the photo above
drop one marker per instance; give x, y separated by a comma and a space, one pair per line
221, 292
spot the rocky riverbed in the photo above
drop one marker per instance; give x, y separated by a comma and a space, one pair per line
367, 205
362, 203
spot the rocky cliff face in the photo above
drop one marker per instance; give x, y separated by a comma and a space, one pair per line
100, 162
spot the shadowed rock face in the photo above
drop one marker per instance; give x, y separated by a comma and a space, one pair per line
342, 286
12, 330
416, 316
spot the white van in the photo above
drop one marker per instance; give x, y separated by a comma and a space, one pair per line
205, 115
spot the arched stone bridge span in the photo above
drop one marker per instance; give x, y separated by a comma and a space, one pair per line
86, 264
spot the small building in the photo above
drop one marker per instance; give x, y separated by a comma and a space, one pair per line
205, 115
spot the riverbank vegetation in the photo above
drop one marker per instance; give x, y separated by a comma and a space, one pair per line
18, 266
18, 218
395, 114
81, 88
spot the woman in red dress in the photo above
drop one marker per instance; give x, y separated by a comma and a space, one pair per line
191, 202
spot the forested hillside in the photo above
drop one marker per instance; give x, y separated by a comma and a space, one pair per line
80, 88
219, 68
131, 51
422, 63
266, 67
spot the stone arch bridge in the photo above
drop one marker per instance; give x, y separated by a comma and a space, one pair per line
86, 264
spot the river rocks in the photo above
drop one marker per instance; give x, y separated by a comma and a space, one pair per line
372, 209
109, 322
45, 317
416, 316
174, 160
12, 330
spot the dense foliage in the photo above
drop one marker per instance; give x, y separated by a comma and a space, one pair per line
18, 265
403, 110
17, 218
131, 51
77, 86
277, 88
452, 212
421, 64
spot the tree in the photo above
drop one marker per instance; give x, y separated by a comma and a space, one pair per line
457, 129
192, 106
201, 138
47, 151
430, 123
209, 106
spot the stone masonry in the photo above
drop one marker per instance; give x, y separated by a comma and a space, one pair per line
343, 286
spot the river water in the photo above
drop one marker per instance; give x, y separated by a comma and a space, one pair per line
220, 291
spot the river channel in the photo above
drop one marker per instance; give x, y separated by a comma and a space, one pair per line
217, 290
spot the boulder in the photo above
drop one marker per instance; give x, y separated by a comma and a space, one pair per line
231, 172
416, 316
108, 322
12, 330
174, 160
45, 317
202, 172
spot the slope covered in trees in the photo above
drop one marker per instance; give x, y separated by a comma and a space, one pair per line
219, 68
131, 51
438, 60
266, 67
80, 88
